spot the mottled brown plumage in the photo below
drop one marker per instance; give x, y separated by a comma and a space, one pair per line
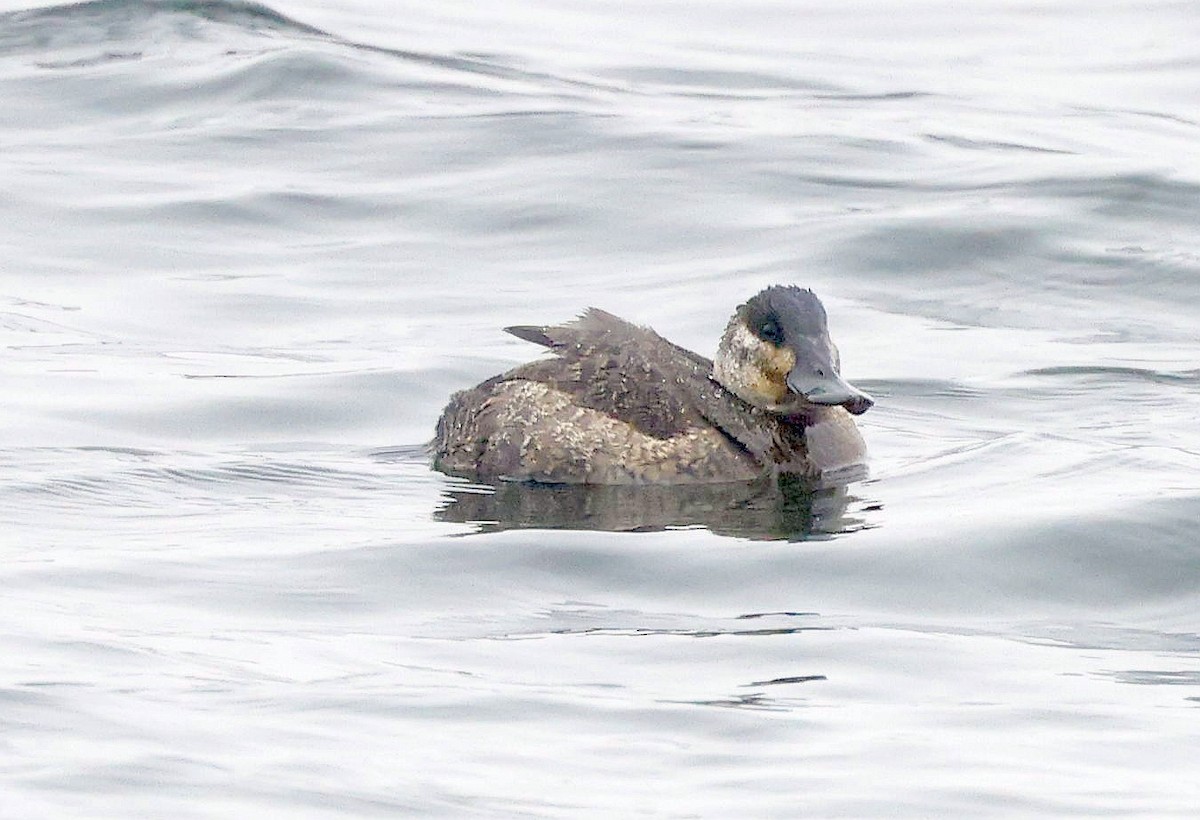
619, 404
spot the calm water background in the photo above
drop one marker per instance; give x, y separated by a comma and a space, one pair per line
247, 252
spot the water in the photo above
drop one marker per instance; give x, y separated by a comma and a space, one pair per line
248, 252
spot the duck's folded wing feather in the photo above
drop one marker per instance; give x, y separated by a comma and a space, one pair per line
635, 375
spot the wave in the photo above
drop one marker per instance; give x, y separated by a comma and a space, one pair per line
138, 480
108, 21
84, 35
1107, 375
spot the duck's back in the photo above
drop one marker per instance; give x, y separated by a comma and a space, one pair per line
617, 404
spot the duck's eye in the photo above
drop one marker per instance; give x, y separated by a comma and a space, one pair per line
771, 331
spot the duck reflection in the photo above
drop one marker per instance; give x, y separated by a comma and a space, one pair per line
783, 508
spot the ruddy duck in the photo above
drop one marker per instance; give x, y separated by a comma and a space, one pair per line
619, 404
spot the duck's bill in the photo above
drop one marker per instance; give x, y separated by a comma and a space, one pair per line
830, 391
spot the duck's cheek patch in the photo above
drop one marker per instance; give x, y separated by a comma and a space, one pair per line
776, 363
770, 368
772, 389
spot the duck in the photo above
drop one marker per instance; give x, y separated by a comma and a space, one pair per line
619, 404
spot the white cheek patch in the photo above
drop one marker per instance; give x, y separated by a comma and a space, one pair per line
739, 368
733, 367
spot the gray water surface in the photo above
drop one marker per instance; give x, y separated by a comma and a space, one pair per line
247, 253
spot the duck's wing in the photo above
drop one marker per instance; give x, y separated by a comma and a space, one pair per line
631, 373
627, 372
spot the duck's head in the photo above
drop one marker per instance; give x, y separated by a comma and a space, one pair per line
776, 354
